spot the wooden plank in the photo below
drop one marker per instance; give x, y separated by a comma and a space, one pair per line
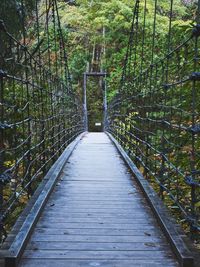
97, 239
89, 195
96, 231
95, 191
98, 255
51, 245
102, 210
93, 225
68, 200
97, 204
95, 216
84, 214
97, 263
89, 221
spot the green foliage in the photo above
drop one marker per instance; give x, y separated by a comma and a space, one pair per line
86, 20
12, 15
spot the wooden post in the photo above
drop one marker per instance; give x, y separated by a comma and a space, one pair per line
85, 103
2, 75
105, 104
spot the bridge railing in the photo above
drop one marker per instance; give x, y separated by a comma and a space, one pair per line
39, 113
156, 116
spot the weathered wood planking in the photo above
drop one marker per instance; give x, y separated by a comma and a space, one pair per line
97, 216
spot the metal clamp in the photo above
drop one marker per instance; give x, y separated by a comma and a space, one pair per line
3, 74
195, 76
196, 31
2, 26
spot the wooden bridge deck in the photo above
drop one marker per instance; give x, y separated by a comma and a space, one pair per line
97, 216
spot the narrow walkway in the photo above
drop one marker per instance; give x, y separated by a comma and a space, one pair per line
97, 216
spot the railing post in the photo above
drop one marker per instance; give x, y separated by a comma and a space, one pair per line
131, 140
105, 104
85, 102
194, 183
2, 75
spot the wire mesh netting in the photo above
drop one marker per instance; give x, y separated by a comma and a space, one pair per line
40, 114
156, 113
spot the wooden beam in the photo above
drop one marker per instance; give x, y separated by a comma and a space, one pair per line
95, 74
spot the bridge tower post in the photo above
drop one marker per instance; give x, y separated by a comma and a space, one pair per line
105, 105
85, 102
2, 147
